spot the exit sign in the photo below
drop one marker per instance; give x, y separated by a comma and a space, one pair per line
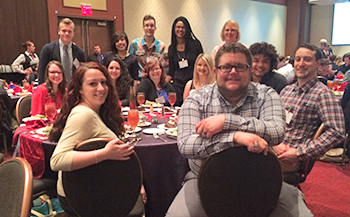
86, 10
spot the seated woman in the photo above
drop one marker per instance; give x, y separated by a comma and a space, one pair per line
89, 110
52, 91
154, 85
202, 74
121, 79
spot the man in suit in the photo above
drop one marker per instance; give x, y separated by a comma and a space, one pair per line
62, 50
97, 56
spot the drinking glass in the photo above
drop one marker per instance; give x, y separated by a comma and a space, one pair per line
336, 83
133, 120
172, 99
141, 98
50, 111
330, 84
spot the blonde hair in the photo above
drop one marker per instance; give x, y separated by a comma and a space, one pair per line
235, 27
210, 63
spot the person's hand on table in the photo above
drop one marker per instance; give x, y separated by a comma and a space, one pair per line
253, 142
117, 150
210, 126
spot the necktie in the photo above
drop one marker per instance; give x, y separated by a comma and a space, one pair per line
66, 63
32, 56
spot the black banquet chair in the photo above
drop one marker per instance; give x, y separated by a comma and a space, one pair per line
109, 188
15, 188
236, 182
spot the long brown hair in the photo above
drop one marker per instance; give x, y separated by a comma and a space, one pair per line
61, 86
110, 111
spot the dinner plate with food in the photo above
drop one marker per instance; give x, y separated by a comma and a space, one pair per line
171, 132
149, 103
44, 131
35, 117
128, 129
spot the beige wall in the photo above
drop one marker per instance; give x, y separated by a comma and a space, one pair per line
321, 27
258, 21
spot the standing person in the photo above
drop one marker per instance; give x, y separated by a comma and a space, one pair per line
121, 79
119, 46
52, 91
147, 46
154, 85
29, 60
230, 32
231, 112
202, 74
97, 56
264, 62
183, 51
63, 50
90, 110
308, 104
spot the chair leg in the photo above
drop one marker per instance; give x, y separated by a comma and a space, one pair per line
5, 143
344, 157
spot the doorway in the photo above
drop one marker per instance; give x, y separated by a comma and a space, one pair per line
90, 32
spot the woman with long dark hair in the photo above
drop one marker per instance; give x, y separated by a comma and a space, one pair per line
52, 91
90, 110
183, 51
120, 78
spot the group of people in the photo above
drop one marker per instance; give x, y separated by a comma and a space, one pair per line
234, 97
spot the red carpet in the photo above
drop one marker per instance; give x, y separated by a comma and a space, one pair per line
327, 190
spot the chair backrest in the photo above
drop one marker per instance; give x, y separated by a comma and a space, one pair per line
109, 188
297, 177
322, 79
15, 187
23, 108
309, 163
236, 182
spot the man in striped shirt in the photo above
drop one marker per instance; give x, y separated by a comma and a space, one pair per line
309, 103
231, 112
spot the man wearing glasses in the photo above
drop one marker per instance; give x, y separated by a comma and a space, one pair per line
231, 112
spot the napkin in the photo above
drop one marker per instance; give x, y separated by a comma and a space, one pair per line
341, 87
16, 89
339, 76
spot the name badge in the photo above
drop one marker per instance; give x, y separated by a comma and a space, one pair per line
289, 116
160, 100
76, 63
183, 63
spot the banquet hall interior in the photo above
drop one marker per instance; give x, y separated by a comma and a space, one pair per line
284, 23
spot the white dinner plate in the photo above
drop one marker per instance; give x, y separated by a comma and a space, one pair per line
171, 132
125, 113
144, 124
137, 129
153, 130
162, 126
33, 118
334, 152
41, 131
155, 105
125, 109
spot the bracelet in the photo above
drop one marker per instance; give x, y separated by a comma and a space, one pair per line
96, 157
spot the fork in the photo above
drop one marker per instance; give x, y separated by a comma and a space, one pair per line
156, 136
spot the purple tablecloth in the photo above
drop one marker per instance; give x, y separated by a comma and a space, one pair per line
163, 167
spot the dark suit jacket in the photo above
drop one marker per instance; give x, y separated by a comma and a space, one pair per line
93, 58
51, 51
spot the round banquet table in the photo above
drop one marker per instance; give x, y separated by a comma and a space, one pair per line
163, 167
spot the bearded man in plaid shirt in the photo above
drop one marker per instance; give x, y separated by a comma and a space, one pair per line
308, 103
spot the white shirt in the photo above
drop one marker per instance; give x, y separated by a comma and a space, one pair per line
17, 64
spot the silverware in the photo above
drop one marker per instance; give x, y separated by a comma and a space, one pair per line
156, 136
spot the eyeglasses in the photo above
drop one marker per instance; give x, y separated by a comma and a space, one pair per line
54, 72
238, 67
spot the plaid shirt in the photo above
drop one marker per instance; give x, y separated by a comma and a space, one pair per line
311, 105
259, 111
